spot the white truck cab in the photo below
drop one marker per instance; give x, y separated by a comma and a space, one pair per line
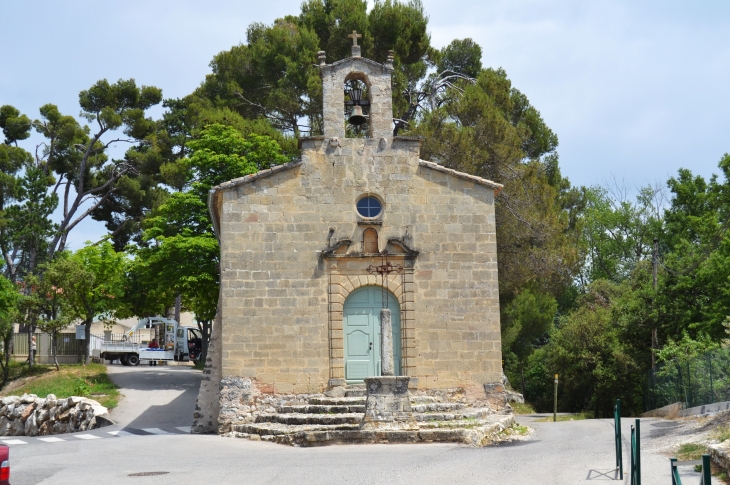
177, 343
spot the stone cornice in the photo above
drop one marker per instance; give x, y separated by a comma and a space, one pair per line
214, 194
465, 176
324, 68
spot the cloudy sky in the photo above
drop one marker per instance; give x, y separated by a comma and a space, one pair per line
634, 89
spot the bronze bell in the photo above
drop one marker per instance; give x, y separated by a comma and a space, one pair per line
357, 118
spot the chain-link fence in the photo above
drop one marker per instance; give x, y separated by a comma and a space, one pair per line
704, 379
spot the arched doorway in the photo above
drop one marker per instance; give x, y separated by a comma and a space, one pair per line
361, 328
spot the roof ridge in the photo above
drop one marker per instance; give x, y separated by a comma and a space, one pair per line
473, 178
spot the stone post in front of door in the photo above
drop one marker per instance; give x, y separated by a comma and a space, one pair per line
386, 344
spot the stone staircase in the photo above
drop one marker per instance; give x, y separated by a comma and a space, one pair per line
328, 420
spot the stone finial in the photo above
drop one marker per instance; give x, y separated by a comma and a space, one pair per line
322, 58
389, 60
355, 48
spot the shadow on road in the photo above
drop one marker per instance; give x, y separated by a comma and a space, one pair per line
178, 412
155, 396
611, 474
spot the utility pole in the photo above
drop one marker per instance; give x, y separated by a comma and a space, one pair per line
655, 264
555, 400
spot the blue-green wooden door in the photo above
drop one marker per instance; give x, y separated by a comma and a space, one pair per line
361, 325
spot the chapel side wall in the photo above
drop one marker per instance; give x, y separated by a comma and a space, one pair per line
273, 284
456, 302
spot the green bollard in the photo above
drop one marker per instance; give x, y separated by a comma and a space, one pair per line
706, 470
617, 437
638, 452
555, 400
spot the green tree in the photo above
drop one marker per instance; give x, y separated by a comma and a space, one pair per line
25, 202
463, 56
273, 75
92, 281
594, 357
693, 293
619, 233
181, 253
528, 317
54, 313
9, 298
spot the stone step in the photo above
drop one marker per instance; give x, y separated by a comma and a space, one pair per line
423, 400
268, 429
436, 406
360, 400
471, 432
356, 392
466, 414
322, 409
337, 401
316, 419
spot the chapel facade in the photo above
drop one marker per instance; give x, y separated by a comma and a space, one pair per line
300, 299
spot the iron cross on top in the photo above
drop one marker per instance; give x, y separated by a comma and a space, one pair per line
354, 36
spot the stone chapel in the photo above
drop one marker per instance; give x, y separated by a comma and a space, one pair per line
299, 301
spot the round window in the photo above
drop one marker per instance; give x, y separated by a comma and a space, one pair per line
369, 207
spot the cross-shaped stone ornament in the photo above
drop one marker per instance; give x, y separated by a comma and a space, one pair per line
354, 36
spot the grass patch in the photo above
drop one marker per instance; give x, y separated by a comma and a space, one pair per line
20, 370
515, 430
691, 451
199, 364
566, 417
721, 434
90, 381
720, 474
522, 408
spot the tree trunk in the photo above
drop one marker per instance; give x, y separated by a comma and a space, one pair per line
205, 327
54, 351
31, 331
8, 350
87, 339
178, 304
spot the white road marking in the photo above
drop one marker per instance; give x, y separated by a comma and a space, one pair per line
14, 442
184, 429
86, 436
120, 433
51, 440
155, 431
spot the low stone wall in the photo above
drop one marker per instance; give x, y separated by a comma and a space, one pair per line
30, 415
720, 454
668, 411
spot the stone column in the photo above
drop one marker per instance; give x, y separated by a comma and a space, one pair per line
386, 344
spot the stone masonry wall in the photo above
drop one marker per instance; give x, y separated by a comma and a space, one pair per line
29, 415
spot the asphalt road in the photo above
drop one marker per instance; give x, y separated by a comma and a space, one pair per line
558, 453
162, 396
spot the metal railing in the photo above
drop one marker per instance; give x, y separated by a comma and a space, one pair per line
703, 379
636, 453
617, 438
68, 348
706, 471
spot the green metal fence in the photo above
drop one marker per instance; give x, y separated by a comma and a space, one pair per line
68, 349
706, 471
636, 453
704, 379
617, 438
